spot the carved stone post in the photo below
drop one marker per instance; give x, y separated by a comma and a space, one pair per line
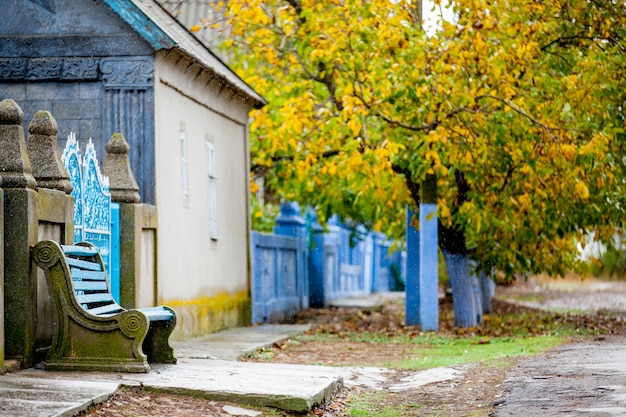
138, 224
55, 213
1, 276
122, 184
20, 232
44, 155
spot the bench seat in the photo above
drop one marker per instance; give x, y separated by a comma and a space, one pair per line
92, 331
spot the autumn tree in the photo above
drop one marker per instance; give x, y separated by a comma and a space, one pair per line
514, 107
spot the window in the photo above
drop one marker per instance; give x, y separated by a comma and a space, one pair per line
183, 163
210, 152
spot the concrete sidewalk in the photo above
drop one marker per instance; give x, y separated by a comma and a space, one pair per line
206, 368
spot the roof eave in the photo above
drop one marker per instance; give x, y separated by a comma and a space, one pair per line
137, 14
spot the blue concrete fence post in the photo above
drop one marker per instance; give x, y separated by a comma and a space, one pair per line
291, 223
380, 280
395, 267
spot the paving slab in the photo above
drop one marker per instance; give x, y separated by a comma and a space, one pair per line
234, 343
288, 387
37, 394
201, 370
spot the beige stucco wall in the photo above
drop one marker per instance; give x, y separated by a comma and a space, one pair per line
205, 280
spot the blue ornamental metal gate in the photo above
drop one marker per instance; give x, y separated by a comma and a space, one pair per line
96, 219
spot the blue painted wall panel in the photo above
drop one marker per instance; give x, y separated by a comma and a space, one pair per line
302, 258
276, 283
114, 273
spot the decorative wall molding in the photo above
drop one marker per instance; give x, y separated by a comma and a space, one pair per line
80, 68
124, 73
44, 69
34, 69
13, 68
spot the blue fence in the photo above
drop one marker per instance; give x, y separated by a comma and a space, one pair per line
278, 280
302, 264
96, 218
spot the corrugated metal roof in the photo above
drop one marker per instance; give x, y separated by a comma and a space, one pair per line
162, 31
191, 12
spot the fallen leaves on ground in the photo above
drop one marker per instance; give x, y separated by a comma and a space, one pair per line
505, 320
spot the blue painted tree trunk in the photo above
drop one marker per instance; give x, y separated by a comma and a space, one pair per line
466, 312
317, 277
478, 299
422, 281
488, 289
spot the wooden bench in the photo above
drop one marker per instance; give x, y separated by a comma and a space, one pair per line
92, 331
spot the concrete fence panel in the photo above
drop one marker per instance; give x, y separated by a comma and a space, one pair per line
276, 281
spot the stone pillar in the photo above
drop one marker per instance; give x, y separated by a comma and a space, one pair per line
138, 224
291, 223
138, 244
122, 183
422, 275
55, 214
44, 155
1, 276
20, 232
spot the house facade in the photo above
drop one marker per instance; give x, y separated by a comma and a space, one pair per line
106, 66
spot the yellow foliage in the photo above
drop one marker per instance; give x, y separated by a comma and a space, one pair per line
581, 190
569, 151
517, 98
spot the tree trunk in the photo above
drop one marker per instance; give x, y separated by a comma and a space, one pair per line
463, 290
488, 289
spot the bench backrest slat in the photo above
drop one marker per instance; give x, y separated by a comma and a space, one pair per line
89, 280
92, 266
79, 250
107, 309
100, 286
83, 274
100, 297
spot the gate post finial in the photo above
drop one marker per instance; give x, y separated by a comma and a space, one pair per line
43, 151
122, 183
15, 165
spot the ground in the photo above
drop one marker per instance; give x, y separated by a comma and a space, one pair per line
475, 393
